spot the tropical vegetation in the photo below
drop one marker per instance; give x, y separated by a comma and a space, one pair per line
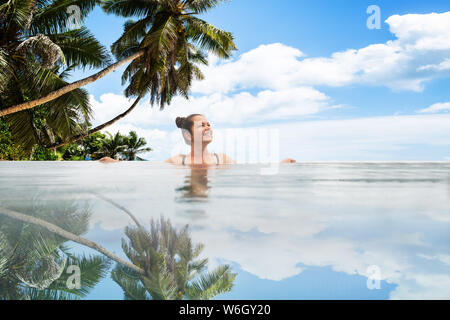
38, 53
171, 264
45, 116
164, 46
164, 263
93, 147
34, 262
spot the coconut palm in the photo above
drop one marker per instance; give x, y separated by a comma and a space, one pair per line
165, 263
135, 146
33, 261
171, 264
172, 41
59, 119
88, 147
163, 47
113, 146
37, 53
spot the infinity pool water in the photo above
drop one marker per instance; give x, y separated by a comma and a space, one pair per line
306, 231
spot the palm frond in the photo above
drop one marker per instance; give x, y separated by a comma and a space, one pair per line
135, 8
210, 38
92, 270
45, 51
130, 284
51, 17
172, 272
18, 13
201, 6
211, 284
81, 48
130, 40
5, 251
5, 71
161, 285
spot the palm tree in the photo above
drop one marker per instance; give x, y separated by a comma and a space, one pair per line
172, 270
37, 53
33, 261
165, 263
163, 47
88, 147
172, 40
135, 146
113, 146
59, 119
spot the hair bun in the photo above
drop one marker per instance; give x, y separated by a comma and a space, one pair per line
180, 121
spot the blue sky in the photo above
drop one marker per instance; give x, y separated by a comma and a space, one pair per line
308, 83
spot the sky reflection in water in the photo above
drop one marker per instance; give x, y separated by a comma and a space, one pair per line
309, 232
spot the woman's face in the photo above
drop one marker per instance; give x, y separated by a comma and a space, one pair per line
202, 128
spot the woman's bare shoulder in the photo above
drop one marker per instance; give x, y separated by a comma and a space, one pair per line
175, 159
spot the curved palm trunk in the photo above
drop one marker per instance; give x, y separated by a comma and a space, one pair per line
70, 87
118, 206
69, 236
98, 128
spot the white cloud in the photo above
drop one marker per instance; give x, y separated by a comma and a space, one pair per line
268, 66
425, 286
319, 224
233, 109
274, 82
444, 65
377, 138
420, 52
437, 107
444, 258
422, 31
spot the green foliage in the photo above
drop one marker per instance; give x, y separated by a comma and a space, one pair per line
8, 149
93, 268
113, 146
34, 262
173, 269
118, 146
89, 146
135, 146
95, 146
43, 154
38, 51
174, 42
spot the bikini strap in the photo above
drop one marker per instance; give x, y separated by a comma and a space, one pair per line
217, 156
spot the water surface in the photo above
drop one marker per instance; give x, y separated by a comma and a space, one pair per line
311, 231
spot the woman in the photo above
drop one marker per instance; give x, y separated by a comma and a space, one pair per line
197, 128
194, 128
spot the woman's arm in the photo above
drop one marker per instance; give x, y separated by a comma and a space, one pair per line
289, 160
175, 159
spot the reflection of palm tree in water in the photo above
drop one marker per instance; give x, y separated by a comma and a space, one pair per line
173, 269
195, 185
33, 261
165, 262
